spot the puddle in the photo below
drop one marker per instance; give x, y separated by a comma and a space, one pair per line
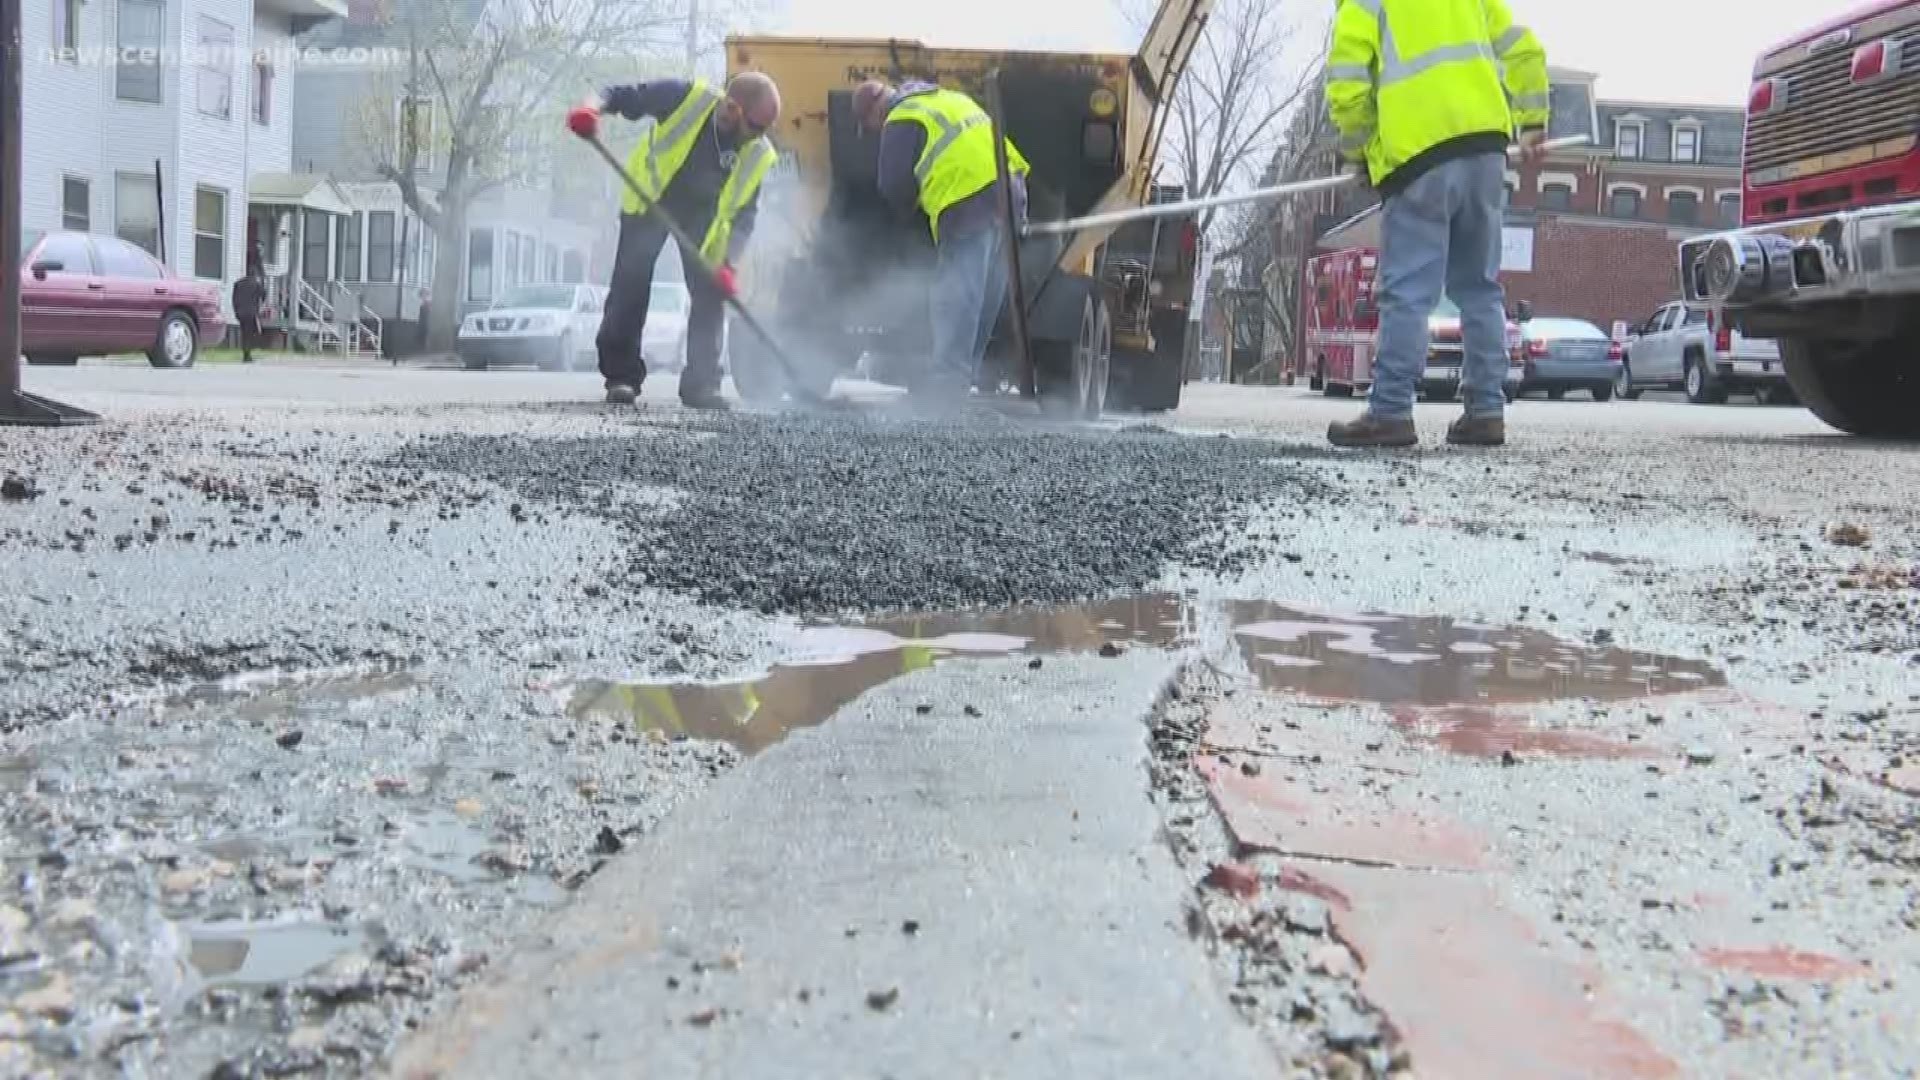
276, 697
833, 665
1480, 732
16, 773
260, 954
446, 843
1436, 661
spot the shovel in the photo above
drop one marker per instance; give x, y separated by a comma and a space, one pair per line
689, 247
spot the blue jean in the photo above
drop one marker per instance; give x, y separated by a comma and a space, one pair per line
1442, 232
970, 284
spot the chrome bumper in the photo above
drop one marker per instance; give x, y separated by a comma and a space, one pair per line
1847, 254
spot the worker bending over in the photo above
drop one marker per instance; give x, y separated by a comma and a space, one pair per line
1427, 95
702, 165
936, 158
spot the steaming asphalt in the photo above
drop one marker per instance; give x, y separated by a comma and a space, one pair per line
412, 816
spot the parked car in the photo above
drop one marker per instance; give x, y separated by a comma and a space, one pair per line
1446, 351
1569, 354
551, 326
87, 295
664, 342
1693, 349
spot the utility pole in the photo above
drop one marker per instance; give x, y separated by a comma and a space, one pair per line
17, 407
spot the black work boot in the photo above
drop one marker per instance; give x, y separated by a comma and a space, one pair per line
1370, 430
621, 393
708, 400
1478, 431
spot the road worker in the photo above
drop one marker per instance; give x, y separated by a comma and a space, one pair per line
937, 161
702, 164
1427, 95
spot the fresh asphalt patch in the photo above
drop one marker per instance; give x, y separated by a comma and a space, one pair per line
836, 513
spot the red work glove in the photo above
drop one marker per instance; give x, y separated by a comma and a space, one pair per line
726, 282
584, 121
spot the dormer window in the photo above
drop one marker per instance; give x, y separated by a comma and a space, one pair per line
1686, 141
1629, 138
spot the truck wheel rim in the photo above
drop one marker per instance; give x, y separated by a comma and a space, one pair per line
1623, 382
179, 341
1693, 380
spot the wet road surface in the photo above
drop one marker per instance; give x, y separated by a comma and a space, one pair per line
1593, 756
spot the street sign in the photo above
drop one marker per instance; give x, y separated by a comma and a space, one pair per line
1516, 249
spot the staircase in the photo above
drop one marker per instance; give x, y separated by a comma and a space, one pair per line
343, 324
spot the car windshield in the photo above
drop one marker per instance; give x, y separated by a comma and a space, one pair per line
1565, 330
28, 240
556, 297
1445, 309
672, 298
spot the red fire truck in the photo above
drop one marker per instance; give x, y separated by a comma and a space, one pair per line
1827, 258
1338, 320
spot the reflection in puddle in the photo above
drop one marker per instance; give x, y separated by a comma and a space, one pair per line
833, 665
256, 954
1436, 661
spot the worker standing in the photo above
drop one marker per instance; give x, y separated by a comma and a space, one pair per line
702, 164
249, 295
937, 159
1427, 95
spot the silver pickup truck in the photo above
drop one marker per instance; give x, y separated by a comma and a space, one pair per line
1691, 349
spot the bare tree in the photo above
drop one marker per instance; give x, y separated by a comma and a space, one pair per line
476, 102
1249, 73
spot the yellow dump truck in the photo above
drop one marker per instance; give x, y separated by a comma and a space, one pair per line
844, 281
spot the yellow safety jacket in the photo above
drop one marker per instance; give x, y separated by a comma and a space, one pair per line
658, 158
1405, 76
957, 161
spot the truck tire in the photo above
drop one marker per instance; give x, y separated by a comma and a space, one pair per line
1697, 380
1157, 376
1870, 389
1072, 375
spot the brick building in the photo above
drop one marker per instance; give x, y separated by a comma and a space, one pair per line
1592, 232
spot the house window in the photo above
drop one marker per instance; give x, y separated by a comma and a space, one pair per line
136, 211
413, 132
210, 233
76, 204
137, 34
480, 265
66, 30
314, 240
215, 77
1686, 143
1628, 137
380, 246
1556, 196
573, 270
424, 264
1683, 208
346, 253
262, 91
1623, 202
1730, 208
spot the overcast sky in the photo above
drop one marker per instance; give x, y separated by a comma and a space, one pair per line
1662, 50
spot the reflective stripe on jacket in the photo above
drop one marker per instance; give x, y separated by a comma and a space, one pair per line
654, 163
957, 161
1405, 76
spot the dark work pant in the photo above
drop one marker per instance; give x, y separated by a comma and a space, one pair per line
249, 336
625, 317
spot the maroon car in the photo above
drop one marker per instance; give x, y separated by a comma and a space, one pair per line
86, 295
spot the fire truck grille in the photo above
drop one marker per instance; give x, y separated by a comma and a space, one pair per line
1826, 113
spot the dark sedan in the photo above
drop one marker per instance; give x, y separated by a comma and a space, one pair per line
1569, 354
85, 295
